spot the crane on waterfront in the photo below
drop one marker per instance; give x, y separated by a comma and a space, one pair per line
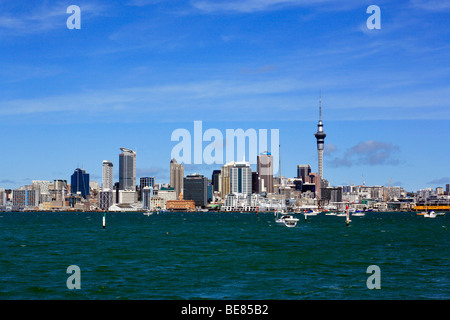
387, 190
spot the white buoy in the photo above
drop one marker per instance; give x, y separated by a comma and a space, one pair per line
104, 221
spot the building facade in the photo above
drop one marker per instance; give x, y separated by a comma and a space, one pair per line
107, 178
80, 183
196, 188
127, 170
241, 178
264, 163
176, 176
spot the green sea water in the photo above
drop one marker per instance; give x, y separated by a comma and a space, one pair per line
235, 256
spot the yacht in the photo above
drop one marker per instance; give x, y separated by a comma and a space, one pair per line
287, 220
431, 214
290, 221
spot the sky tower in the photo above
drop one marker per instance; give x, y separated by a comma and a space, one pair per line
320, 136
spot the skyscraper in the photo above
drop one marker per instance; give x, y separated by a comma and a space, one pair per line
146, 182
265, 172
80, 182
303, 171
107, 181
195, 187
215, 180
225, 174
127, 170
176, 176
320, 136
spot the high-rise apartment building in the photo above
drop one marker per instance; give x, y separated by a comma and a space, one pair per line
79, 182
176, 177
127, 170
107, 179
241, 178
264, 163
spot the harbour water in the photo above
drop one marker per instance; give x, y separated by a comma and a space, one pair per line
235, 256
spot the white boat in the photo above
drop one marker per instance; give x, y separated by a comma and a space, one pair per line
358, 214
287, 220
342, 214
431, 214
331, 214
290, 221
311, 212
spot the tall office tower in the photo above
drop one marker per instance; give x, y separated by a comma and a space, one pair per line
303, 171
255, 182
320, 137
176, 176
265, 171
241, 178
146, 182
80, 182
215, 180
107, 182
127, 170
195, 187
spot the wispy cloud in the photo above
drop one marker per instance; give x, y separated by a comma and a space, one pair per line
249, 6
440, 181
369, 153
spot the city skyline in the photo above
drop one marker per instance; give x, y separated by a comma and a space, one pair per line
131, 82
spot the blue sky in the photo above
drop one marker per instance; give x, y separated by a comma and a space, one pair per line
138, 70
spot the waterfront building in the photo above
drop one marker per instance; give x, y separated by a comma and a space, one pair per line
241, 178
124, 196
196, 188
147, 194
264, 163
107, 179
127, 170
331, 194
320, 137
80, 183
22, 198
105, 199
2, 197
180, 205
176, 176
166, 193
157, 203
43, 187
